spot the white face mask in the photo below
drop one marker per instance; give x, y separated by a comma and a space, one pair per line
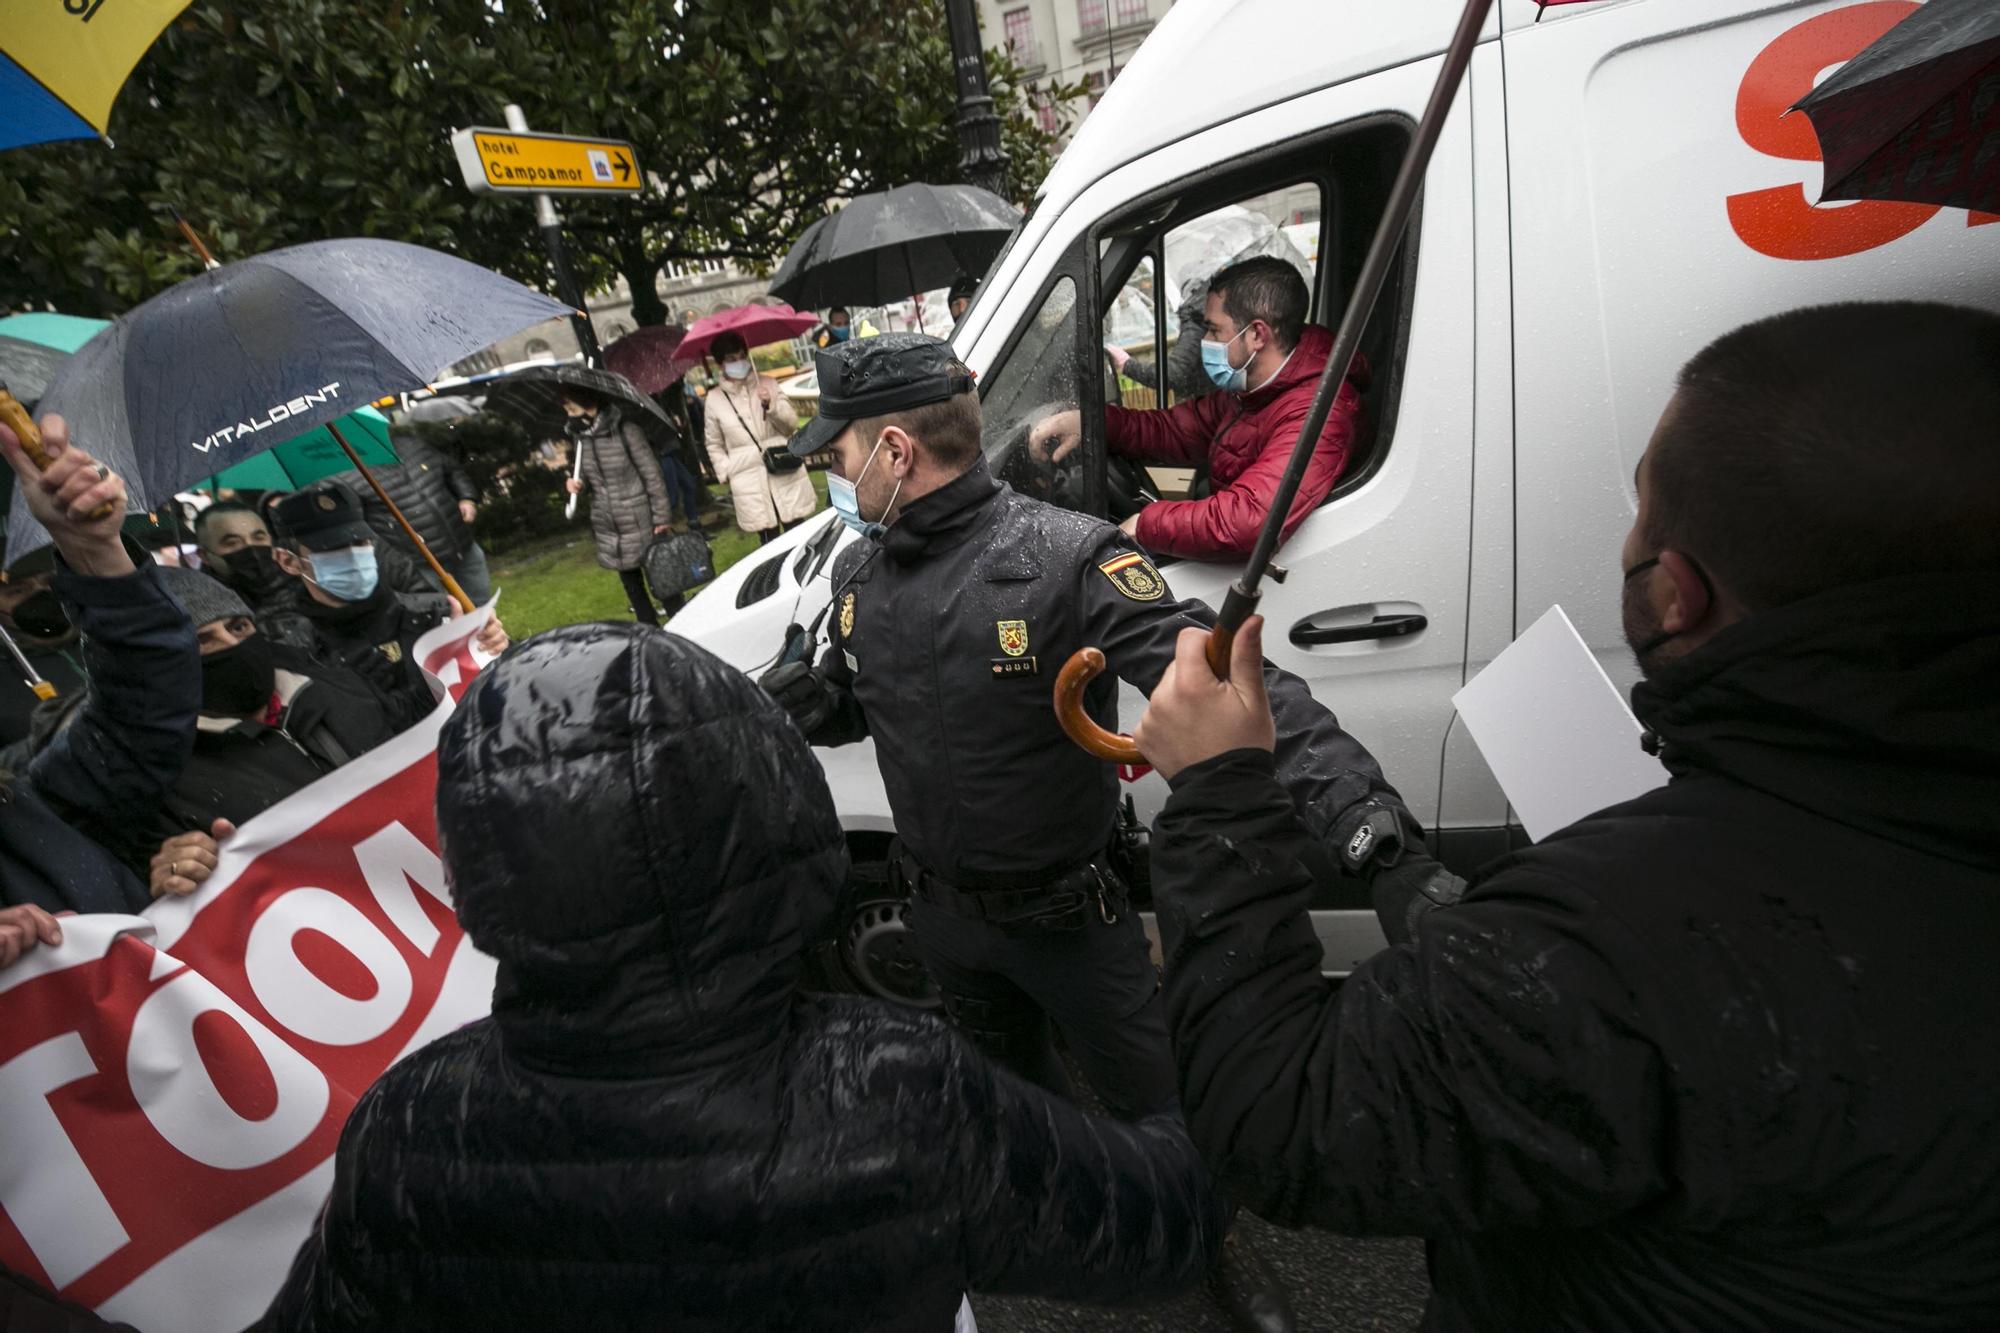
737, 370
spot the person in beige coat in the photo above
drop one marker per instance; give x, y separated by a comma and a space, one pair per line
745, 415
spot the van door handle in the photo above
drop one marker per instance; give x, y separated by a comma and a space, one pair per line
1381, 627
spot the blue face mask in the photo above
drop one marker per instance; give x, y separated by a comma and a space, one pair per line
838, 332
841, 495
1215, 361
348, 574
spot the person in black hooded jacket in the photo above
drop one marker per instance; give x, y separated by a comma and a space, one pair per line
132, 726
657, 1128
273, 720
1720, 1056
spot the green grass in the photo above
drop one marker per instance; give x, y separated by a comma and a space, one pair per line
557, 581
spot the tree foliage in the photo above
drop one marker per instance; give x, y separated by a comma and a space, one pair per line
281, 121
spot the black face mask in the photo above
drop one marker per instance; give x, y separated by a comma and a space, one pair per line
253, 570
236, 682
39, 615
1636, 622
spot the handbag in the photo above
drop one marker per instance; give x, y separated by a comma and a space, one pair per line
676, 562
778, 458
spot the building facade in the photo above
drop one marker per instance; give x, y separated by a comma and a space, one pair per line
1070, 41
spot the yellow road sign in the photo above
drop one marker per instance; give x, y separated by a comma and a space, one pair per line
511, 162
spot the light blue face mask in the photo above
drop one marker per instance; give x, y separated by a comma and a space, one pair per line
841, 495
1215, 361
348, 573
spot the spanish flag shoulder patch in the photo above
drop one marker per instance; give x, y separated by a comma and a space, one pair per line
1134, 577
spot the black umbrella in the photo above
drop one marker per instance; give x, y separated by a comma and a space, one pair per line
884, 247
1916, 116
245, 356
533, 395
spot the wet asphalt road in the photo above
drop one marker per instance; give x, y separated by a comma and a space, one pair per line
1337, 1284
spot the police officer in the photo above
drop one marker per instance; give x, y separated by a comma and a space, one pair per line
949, 623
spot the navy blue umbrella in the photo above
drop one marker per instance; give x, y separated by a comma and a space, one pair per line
248, 355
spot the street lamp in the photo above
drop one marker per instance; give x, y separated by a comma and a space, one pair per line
981, 160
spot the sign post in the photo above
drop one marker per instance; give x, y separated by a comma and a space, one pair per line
518, 161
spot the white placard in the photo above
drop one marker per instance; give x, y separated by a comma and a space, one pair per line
1554, 729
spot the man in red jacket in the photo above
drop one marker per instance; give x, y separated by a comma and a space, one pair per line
1267, 359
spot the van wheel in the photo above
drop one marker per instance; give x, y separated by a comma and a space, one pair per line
875, 954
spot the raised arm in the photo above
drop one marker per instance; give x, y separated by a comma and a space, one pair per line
1440, 1086
130, 739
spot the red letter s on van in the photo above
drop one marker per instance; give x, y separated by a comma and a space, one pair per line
1781, 222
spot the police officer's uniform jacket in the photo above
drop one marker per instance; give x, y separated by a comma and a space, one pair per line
946, 640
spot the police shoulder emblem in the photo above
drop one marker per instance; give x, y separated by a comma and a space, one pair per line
847, 615
1013, 636
391, 650
1134, 576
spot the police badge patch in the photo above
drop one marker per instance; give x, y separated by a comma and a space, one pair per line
847, 615
1134, 576
1013, 636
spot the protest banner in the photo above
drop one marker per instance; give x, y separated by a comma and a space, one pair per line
173, 1085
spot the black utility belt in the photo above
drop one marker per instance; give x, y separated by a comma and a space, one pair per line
1063, 903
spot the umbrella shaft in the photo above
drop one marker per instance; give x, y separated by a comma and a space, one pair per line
1367, 289
423, 549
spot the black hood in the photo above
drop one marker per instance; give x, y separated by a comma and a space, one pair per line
646, 844
1876, 705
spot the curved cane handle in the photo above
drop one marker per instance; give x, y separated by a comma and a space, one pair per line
1086, 665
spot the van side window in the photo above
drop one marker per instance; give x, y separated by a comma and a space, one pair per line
1037, 376
1165, 365
1312, 203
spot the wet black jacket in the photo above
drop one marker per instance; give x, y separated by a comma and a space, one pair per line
1721, 1057
427, 486
374, 638
656, 1129
986, 787
328, 716
60, 819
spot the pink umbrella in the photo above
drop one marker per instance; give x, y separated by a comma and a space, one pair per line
758, 324
646, 357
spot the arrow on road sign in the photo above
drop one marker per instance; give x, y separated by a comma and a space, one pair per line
520, 162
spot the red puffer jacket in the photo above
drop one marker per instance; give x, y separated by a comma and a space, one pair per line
1245, 439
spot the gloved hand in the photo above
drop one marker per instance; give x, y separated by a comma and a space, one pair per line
797, 688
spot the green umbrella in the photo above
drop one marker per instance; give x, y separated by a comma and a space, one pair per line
307, 458
33, 346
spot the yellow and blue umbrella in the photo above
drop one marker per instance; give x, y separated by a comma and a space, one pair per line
62, 63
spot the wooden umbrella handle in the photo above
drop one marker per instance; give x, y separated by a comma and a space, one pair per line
16, 419
1086, 665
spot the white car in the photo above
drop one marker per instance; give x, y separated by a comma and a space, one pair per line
1617, 185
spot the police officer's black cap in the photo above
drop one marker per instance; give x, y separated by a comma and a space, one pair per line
872, 377
322, 517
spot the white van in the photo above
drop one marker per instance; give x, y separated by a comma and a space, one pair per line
1616, 186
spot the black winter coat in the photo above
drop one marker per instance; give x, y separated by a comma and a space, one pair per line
328, 716
944, 646
427, 486
116, 757
374, 639
1721, 1057
656, 1129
